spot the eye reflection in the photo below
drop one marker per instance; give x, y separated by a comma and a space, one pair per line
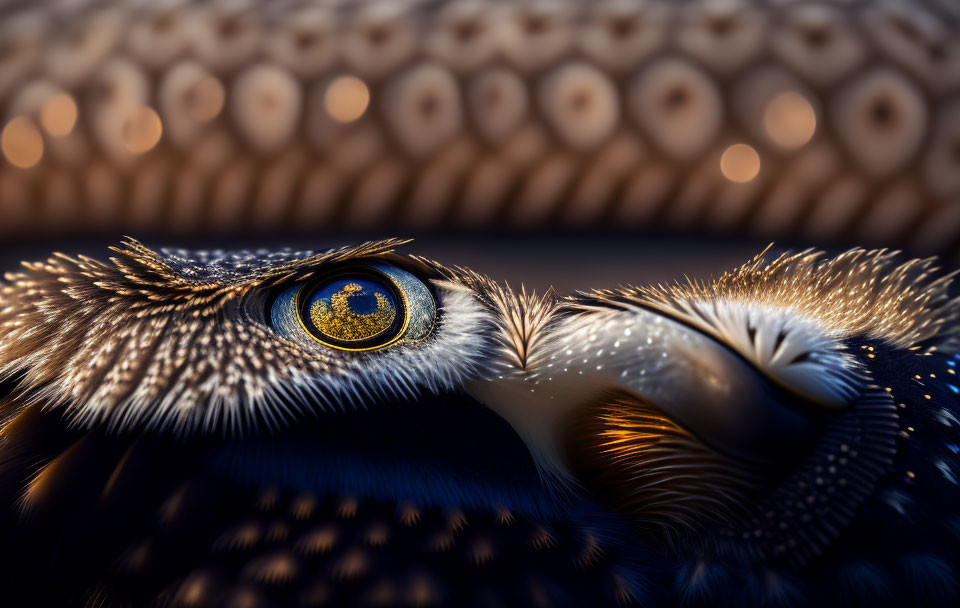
353, 310
361, 308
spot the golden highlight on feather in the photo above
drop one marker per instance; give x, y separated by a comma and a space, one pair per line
377, 535
278, 569
353, 564
642, 462
45, 479
318, 541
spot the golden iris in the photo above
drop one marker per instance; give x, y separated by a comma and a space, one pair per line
353, 310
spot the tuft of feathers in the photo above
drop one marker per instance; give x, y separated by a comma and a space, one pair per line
859, 293
790, 316
177, 342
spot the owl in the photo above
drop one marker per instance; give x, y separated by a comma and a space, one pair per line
364, 426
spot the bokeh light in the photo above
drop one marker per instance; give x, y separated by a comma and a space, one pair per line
59, 115
141, 130
21, 142
206, 99
740, 163
346, 99
790, 120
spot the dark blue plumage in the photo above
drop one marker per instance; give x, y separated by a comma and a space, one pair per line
411, 487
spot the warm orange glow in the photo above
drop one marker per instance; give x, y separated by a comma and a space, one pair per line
206, 99
740, 163
346, 99
59, 115
22, 143
141, 130
790, 120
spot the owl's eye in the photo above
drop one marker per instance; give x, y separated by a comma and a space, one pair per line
359, 308
352, 312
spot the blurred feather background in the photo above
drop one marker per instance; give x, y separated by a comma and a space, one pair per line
594, 128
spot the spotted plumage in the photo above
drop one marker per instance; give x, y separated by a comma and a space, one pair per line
165, 441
